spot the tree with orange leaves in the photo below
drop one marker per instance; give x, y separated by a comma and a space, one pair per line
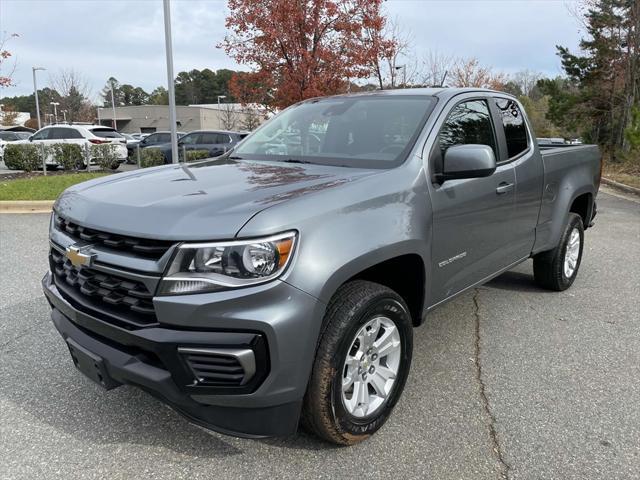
302, 48
469, 73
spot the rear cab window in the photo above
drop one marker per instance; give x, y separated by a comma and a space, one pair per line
515, 127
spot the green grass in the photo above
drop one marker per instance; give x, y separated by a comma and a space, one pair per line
42, 187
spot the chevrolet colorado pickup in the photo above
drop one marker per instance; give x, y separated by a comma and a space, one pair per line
280, 282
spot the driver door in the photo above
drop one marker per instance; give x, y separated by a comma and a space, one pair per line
472, 238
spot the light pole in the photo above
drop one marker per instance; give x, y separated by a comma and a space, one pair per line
64, 115
170, 80
113, 106
35, 92
55, 110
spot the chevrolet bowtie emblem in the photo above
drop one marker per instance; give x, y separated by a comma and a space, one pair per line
77, 257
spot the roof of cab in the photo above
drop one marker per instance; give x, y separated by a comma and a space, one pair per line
441, 92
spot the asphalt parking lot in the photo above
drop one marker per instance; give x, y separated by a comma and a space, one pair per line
507, 380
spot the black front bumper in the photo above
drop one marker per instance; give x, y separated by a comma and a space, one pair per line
148, 358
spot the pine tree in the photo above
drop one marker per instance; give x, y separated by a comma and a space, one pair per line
606, 74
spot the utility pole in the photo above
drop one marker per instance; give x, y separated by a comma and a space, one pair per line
170, 81
55, 110
64, 115
35, 92
113, 106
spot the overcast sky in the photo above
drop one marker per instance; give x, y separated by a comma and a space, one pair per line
125, 39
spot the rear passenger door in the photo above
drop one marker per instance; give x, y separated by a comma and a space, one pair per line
472, 236
517, 139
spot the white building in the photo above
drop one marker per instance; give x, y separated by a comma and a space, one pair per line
152, 118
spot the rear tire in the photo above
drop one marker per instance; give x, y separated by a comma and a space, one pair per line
351, 394
558, 268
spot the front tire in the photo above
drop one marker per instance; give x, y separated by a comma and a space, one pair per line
362, 363
558, 268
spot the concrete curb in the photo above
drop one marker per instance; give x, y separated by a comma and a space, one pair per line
621, 186
26, 206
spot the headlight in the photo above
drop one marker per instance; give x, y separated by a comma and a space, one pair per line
206, 267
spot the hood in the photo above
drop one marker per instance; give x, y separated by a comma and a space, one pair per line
204, 201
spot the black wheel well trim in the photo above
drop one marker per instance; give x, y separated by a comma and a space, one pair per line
404, 273
582, 204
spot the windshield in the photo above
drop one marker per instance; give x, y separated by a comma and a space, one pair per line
359, 131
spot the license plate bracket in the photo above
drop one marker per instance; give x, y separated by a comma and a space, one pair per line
91, 365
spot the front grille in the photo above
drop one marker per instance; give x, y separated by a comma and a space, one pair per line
140, 246
218, 368
112, 298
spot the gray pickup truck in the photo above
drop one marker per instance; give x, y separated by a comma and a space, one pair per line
280, 282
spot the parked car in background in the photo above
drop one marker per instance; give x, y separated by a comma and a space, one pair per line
149, 140
6, 137
80, 134
216, 142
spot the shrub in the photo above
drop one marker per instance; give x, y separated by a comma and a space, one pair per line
23, 156
68, 155
13, 157
193, 155
105, 156
151, 157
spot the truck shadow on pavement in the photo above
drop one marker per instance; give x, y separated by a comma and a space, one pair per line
520, 279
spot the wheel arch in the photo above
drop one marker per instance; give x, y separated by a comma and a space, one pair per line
402, 270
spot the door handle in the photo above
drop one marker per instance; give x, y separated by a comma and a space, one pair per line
504, 187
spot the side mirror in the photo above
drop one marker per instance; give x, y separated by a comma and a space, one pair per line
468, 161
30, 138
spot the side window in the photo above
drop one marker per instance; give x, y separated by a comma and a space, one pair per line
190, 139
42, 134
163, 138
64, 133
56, 133
468, 123
223, 138
209, 138
515, 129
71, 133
